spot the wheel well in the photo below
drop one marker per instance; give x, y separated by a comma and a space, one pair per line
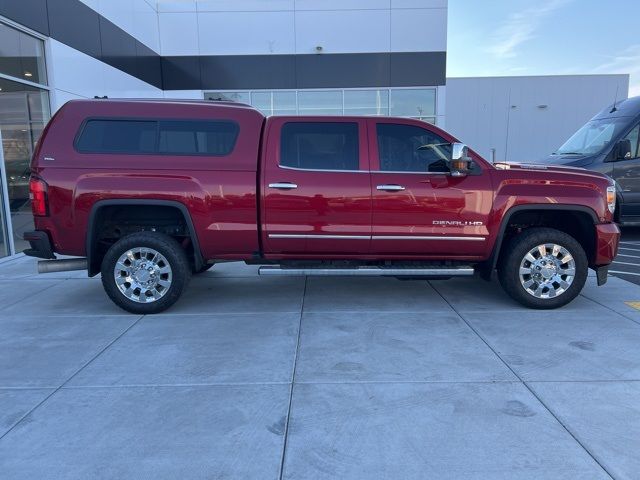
578, 224
110, 223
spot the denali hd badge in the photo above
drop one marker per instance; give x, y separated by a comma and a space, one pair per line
457, 223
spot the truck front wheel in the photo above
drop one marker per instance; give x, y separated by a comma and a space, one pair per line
145, 272
543, 268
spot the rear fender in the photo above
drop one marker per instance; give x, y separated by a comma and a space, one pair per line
92, 228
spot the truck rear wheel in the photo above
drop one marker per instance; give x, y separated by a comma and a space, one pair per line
145, 272
543, 268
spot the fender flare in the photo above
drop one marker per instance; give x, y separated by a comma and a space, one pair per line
91, 227
492, 261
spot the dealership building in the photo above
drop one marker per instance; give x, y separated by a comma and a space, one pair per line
285, 57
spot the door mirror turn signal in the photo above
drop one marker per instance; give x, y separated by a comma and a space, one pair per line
460, 163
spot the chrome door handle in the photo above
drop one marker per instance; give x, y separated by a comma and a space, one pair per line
390, 188
283, 185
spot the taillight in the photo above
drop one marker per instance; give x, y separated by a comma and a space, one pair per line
38, 195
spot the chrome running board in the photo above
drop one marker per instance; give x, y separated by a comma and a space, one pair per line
369, 271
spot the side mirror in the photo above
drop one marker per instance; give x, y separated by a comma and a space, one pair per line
623, 150
460, 164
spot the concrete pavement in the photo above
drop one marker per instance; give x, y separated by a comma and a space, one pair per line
316, 378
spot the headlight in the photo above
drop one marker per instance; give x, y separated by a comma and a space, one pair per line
611, 198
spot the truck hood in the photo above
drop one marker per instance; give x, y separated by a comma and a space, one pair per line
521, 183
576, 172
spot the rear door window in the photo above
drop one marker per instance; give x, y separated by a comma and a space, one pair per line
320, 146
118, 136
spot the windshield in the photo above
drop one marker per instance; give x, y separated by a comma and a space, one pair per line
593, 136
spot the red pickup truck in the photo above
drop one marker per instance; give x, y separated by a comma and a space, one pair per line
148, 193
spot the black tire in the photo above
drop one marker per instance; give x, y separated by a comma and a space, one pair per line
516, 250
175, 257
202, 269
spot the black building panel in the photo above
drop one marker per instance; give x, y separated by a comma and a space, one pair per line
418, 68
148, 65
343, 70
118, 47
76, 25
30, 13
226, 72
181, 73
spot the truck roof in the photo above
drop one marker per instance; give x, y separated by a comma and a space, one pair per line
166, 101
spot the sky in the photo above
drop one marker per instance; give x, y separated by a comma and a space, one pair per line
544, 37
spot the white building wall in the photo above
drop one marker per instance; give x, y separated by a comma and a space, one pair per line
73, 75
526, 118
238, 27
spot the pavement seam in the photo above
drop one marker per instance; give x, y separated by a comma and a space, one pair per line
22, 299
86, 364
310, 382
611, 309
328, 382
529, 388
293, 380
251, 384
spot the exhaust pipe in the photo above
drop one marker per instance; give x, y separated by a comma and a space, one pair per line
51, 266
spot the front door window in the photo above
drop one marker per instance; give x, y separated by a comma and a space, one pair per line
407, 148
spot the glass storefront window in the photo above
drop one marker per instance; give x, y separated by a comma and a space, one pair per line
417, 103
321, 102
21, 55
279, 102
413, 102
23, 112
366, 102
239, 97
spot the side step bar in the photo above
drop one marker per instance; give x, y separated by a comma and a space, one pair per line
370, 271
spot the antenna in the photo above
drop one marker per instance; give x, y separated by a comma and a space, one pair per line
615, 100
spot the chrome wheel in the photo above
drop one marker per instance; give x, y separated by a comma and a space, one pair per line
547, 271
143, 275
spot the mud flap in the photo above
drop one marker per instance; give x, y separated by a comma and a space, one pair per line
602, 274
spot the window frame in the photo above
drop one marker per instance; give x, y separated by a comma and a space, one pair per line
360, 126
21, 28
156, 151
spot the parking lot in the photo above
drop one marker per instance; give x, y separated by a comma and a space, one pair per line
627, 264
312, 378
